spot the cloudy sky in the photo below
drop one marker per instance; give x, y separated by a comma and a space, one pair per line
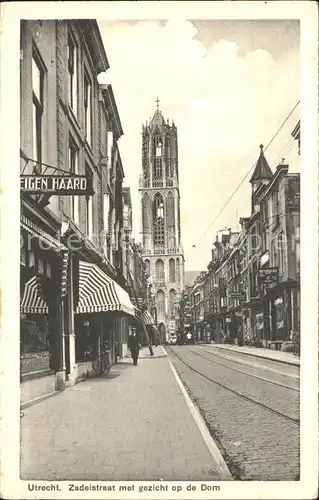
228, 85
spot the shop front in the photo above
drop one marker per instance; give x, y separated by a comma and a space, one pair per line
104, 313
284, 307
41, 340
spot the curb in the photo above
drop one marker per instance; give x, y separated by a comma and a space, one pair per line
212, 447
256, 355
34, 401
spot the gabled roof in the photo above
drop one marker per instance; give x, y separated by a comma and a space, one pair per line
262, 169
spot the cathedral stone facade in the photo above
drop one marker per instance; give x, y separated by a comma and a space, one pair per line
161, 225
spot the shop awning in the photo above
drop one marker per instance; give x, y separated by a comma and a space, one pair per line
99, 293
47, 241
147, 318
32, 300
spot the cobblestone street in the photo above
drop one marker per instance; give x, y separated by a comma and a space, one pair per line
251, 409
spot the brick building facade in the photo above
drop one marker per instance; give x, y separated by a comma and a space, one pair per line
70, 245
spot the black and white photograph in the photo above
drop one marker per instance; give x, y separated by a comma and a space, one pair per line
166, 225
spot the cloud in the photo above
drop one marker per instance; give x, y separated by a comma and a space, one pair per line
224, 104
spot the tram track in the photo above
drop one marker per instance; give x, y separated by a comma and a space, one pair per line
240, 395
263, 379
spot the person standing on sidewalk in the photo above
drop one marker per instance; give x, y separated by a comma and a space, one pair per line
134, 345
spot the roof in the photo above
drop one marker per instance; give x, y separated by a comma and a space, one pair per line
157, 119
262, 169
296, 131
92, 34
107, 93
190, 277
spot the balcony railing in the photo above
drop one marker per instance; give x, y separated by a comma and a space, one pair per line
144, 183
157, 183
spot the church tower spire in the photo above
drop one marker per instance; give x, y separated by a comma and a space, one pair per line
161, 225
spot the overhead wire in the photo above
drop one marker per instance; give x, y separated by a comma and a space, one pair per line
246, 175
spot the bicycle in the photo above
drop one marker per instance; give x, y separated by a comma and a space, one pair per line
102, 363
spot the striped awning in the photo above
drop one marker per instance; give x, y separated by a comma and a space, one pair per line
147, 318
32, 300
99, 293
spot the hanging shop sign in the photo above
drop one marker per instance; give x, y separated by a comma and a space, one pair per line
228, 320
270, 274
64, 185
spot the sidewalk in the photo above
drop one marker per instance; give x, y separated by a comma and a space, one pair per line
260, 352
133, 425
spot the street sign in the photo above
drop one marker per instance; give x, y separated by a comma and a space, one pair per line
270, 274
57, 184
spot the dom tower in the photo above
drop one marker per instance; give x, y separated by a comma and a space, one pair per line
161, 225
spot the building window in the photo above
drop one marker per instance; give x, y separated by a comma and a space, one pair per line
178, 274
172, 270
88, 108
275, 208
74, 168
106, 212
89, 207
159, 271
146, 217
48, 270
31, 258
274, 254
40, 266
37, 108
160, 303
170, 220
147, 268
73, 74
281, 243
158, 220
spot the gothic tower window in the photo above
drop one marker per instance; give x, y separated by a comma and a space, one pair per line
172, 270
172, 298
168, 162
170, 219
157, 157
159, 271
160, 303
158, 220
147, 268
146, 216
178, 272
146, 173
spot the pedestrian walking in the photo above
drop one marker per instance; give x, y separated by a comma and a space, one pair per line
134, 345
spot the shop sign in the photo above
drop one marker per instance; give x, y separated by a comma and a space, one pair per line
63, 185
238, 295
228, 320
270, 274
